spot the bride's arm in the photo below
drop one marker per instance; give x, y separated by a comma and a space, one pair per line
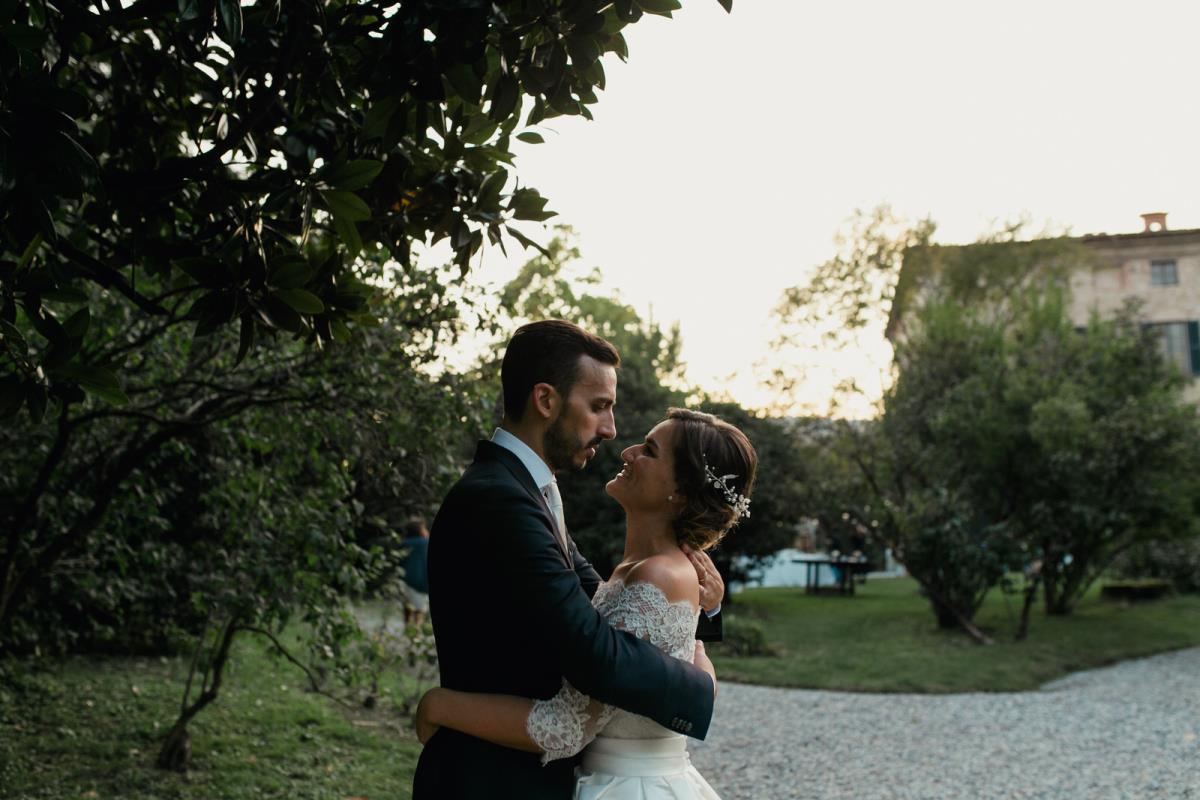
564, 724
497, 718
557, 728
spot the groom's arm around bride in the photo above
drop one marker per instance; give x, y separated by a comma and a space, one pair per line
510, 612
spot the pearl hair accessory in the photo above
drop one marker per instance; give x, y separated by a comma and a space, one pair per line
740, 503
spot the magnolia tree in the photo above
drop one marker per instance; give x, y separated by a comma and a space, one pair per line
199, 202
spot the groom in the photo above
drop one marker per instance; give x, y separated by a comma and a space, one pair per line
510, 593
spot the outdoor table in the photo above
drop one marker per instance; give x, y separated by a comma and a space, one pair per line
847, 568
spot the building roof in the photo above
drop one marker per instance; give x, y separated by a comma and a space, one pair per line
1095, 241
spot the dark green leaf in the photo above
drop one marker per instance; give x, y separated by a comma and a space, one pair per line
12, 395
98, 381
531, 137
463, 80
489, 192
23, 37
245, 338
208, 272
347, 231
83, 159
65, 295
300, 300
529, 204
661, 7
279, 314
352, 174
189, 10
35, 400
505, 96
339, 331
13, 338
727, 5
77, 324
290, 273
231, 20
375, 122
346, 205
526, 241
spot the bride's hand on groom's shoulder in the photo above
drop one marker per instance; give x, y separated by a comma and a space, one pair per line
423, 720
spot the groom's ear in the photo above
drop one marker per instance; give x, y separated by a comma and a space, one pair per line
546, 401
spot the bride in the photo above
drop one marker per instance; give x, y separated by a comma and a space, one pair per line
686, 485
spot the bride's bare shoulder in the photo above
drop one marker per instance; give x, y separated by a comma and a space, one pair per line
672, 573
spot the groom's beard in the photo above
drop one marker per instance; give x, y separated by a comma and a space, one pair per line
562, 446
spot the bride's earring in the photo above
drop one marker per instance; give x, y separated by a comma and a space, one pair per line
670, 498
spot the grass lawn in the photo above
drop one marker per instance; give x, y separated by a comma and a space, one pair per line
91, 728
885, 639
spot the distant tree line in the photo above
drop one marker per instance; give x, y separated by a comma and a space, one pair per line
1014, 449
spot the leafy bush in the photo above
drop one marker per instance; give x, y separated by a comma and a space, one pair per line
746, 637
1178, 562
1134, 590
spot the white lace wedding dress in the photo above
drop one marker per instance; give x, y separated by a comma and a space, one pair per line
625, 756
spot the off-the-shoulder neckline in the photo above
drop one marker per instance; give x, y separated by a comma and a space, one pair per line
624, 585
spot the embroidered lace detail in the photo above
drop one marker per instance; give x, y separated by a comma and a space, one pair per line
643, 610
564, 724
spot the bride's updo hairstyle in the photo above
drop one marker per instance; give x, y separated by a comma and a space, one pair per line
709, 511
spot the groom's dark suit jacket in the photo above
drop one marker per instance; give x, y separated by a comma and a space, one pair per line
512, 614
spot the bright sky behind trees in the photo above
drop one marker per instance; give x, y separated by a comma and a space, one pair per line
730, 149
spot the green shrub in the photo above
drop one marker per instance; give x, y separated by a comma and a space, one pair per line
1133, 590
1177, 562
746, 637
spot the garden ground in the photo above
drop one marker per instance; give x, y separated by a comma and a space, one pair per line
90, 727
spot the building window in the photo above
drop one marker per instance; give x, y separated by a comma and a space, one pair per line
1163, 273
1179, 342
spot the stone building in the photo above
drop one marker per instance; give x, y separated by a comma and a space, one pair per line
1157, 266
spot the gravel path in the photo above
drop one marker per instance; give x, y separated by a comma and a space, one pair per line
1127, 731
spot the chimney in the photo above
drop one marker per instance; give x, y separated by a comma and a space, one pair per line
1156, 221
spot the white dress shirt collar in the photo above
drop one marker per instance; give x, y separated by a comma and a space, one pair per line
541, 474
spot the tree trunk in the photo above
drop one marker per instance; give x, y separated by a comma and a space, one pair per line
1030, 597
946, 618
176, 751
945, 611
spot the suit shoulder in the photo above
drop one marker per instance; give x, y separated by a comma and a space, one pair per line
487, 486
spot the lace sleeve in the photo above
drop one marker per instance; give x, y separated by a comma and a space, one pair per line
564, 724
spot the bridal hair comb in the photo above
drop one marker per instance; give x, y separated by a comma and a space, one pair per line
740, 503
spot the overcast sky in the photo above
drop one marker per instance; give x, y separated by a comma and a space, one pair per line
731, 148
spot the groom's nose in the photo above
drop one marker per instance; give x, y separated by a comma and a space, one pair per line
608, 426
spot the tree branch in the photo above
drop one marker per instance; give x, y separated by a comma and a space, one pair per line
312, 679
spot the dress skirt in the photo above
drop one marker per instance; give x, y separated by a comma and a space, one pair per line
639, 769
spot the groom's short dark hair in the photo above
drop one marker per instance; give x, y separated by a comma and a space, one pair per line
547, 352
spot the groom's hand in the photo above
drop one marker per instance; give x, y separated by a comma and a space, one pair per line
701, 660
712, 586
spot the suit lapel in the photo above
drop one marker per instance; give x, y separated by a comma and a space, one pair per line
490, 451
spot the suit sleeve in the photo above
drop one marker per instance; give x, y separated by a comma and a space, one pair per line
710, 630
609, 665
588, 577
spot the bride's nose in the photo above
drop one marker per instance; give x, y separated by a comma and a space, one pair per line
628, 453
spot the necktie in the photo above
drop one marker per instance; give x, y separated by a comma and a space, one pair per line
554, 498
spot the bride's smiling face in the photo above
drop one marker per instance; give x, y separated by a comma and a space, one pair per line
648, 477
